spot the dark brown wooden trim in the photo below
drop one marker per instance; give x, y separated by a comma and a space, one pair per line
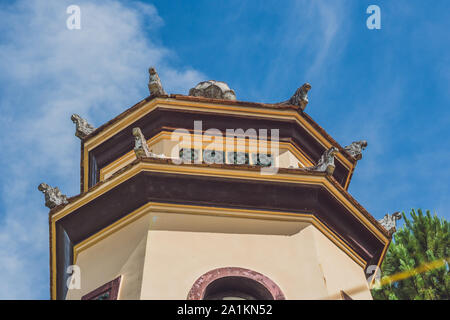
276, 106
168, 119
82, 167
215, 192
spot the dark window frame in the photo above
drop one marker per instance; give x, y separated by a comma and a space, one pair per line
112, 287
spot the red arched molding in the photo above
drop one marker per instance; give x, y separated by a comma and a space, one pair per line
197, 291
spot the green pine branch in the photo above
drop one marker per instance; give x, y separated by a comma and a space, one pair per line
423, 238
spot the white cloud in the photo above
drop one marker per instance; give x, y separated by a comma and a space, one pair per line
310, 37
48, 73
332, 35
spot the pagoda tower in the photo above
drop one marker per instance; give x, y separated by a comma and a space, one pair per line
202, 196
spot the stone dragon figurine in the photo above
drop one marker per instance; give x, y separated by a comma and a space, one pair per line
154, 83
300, 97
53, 197
355, 149
389, 221
83, 127
141, 147
326, 162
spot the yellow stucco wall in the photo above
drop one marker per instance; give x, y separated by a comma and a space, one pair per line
171, 149
122, 253
159, 257
339, 271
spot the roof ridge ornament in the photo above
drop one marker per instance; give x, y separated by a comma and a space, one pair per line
389, 221
141, 147
53, 196
83, 128
154, 83
355, 149
326, 162
300, 97
213, 89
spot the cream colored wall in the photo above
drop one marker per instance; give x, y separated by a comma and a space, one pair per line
160, 257
306, 265
121, 253
287, 160
176, 259
339, 271
171, 149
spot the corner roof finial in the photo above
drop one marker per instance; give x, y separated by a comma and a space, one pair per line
389, 221
140, 144
300, 97
355, 149
326, 162
53, 197
154, 83
141, 147
83, 128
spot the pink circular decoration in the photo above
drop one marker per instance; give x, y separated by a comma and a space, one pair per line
197, 291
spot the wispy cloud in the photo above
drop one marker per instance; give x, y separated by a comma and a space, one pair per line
310, 37
48, 73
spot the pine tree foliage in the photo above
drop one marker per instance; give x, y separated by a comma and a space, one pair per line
423, 238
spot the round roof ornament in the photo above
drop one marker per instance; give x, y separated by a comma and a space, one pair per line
213, 89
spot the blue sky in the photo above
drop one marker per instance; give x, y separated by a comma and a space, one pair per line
389, 86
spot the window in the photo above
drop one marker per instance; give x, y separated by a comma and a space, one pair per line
234, 283
236, 288
108, 291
